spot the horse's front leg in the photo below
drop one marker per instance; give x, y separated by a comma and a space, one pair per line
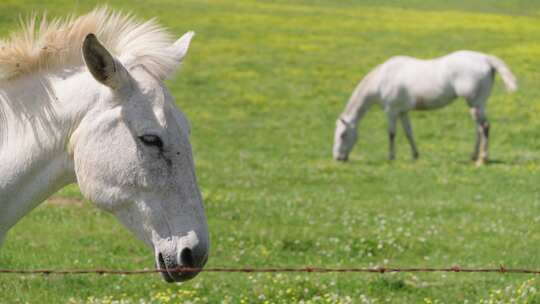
406, 123
392, 120
480, 153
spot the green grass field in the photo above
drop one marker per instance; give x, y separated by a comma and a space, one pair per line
262, 85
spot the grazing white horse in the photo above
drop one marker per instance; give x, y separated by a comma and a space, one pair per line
77, 109
402, 84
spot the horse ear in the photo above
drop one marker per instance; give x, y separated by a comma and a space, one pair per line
102, 64
180, 47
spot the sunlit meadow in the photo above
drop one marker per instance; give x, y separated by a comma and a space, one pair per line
262, 85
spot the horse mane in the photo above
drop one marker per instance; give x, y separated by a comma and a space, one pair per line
45, 44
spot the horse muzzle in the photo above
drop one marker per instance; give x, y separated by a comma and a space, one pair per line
180, 260
182, 267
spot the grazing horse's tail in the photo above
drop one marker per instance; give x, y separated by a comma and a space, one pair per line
508, 78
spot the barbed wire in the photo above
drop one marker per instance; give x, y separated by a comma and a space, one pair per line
380, 270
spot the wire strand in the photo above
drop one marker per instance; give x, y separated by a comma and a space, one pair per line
310, 270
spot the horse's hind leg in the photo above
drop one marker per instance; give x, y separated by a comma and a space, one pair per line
478, 113
480, 154
474, 155
406, 123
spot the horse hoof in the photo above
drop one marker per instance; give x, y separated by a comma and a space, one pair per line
481, 162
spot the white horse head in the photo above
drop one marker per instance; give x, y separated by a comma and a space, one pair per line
133, 158
116, 132
345, 137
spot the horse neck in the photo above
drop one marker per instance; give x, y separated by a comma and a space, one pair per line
37, 116
358, 105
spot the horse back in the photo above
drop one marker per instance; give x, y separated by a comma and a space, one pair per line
412, 83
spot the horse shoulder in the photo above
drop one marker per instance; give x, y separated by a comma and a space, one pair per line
391, 73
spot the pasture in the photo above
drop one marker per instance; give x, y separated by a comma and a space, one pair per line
262, 86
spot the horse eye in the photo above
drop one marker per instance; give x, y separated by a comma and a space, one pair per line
343, 135
152, 140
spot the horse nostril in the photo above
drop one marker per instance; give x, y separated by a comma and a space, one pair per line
186, 258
